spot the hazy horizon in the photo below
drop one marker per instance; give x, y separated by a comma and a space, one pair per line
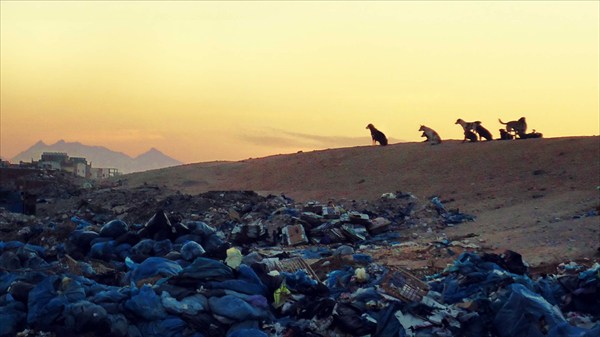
205, 81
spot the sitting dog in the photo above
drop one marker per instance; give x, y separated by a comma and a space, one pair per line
467, 126
377, 135
519, 127
483, 132
505, 135
470, 135
432, 136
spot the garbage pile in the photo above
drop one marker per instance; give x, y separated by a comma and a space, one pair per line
247, 218
239, 268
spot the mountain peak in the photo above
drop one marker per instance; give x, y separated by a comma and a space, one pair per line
62, 142
152, 152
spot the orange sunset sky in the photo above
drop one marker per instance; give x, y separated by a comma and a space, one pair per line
205, 81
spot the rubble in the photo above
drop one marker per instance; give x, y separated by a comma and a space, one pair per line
129, 263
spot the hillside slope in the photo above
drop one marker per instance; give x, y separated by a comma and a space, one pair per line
526, 194
511, 169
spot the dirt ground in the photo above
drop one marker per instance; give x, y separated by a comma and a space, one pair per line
535, 196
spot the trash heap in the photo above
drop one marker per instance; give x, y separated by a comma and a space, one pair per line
245, 271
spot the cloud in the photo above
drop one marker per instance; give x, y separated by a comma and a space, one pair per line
286, 139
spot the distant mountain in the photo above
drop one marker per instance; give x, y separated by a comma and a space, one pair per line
100, 156
154, 159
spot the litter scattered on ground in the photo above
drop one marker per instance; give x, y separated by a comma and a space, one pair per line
237, 264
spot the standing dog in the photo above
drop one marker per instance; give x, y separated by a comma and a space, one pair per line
468, 126
518, 126
432, 136
377, 135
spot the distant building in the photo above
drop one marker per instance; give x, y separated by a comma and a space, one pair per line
57, 157
82, 169
78, 166
103, 173
46, 165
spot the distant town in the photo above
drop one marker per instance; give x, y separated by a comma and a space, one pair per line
60, 161
22, 183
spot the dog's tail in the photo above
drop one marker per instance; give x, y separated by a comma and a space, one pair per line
501, 122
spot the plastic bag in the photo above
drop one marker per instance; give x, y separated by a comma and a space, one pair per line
154, 266
162, 248
170, 327
207, 269
45, 304
522, 312
190, 305
191, 250
84, 316
233, 307
146, 304
12, 317
114, 229
246, 283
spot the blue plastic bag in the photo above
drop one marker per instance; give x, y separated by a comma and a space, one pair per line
114, 229
146, 304
190, 305
143, 248
247, 282
234, 308
154, 266
104, 250
170, 327
207, 269
191, 250
81, 223
12, 316
521, 313
45, 304
85, 316
162, 248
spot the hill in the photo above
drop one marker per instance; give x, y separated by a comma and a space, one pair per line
101, 156
528, 195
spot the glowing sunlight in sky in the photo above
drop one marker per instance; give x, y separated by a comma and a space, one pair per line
208, 81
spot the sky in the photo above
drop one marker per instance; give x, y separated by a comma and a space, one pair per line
204, 81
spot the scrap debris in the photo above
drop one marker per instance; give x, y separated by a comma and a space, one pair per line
238, 264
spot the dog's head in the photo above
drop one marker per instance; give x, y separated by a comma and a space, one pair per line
422, 128
522, 119
370, 126
459, 121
